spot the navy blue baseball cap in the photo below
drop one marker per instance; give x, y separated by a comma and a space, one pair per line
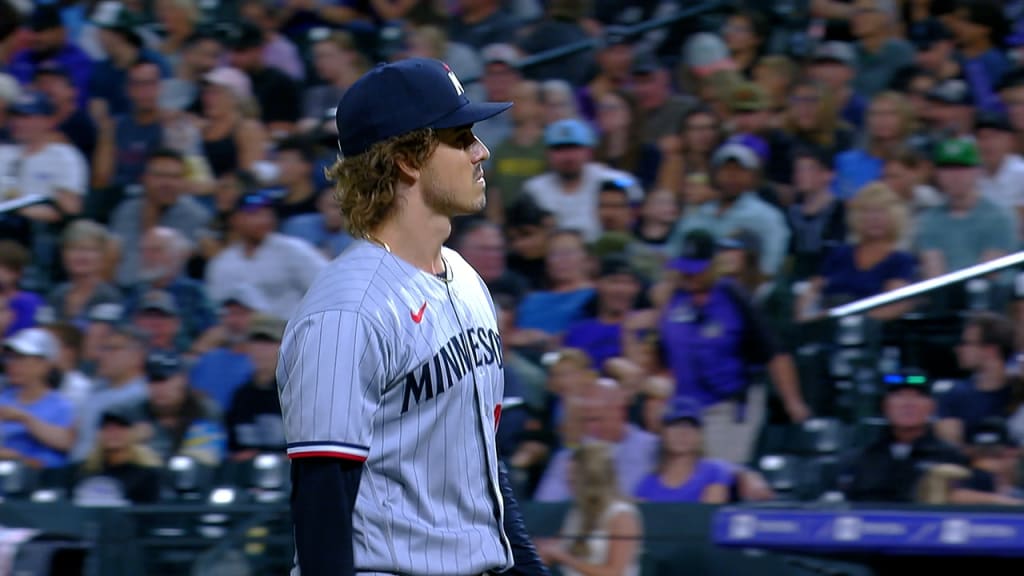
400, 97
682, 409
697, 252
31, 103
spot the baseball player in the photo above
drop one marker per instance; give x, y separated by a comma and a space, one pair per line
390, 373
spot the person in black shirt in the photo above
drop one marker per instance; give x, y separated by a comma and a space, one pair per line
294, 158
278, 95
119, 456
253, 419
53, 80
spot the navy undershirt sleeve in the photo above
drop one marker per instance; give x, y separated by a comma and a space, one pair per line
323, 498
527, 561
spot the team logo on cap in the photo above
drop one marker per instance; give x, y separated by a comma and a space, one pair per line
455, 81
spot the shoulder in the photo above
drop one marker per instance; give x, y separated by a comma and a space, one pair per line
358, 281
63, 152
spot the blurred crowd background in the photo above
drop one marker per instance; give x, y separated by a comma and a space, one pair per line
671, 212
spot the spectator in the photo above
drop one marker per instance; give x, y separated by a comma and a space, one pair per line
164, 202
656, 218
74, 386
834, 66
102, 320
179, 20
908, 173
558, 100
10, 90
570, 188
690, 152
126, 141
995, 455
84, 247
162, 267
280, 267
621, 145
889, 468
544, 315
987, 346
1002, 179
529, 227
618, 288
710, 338
950, 109
744, 33
35, 421
969, 228
324, 229
481, 22
736, 177
633, 450
200, 53
615, 211
431, 41
121, 377
563, 24
520, 156
661, 110
123, 46
817, 220
936, 50
157, 315
279, 52
118, 455
603, 530
253, 418
879, 53
500, 76
751, 115
337, 63
979, 27
482, 244
276, 94
889, 124
174, 420
1011, 93
684, 474
775, 74
614, 70
53, 80
871, 265
22, 304
295, 159
233, 141
223, 365
48, 40
812, 120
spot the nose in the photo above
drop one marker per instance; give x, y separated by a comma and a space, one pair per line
480, 151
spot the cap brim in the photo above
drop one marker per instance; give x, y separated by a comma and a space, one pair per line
471, 113
689, 265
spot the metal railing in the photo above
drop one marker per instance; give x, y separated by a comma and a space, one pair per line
927, 286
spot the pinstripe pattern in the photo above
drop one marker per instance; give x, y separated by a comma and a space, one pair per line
417, 401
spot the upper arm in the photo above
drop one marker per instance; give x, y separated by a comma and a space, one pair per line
332, 372
624, 531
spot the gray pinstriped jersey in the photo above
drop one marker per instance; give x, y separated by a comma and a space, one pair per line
381, 364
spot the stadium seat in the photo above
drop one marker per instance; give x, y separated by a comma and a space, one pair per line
186, 479
783, 473
821, 436
16, 479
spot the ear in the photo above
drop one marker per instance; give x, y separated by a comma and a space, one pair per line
406, 172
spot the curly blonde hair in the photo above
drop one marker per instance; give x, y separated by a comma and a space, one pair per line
366, 185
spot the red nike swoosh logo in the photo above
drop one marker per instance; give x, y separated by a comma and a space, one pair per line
417, 317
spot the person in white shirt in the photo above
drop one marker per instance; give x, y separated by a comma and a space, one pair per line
1002, 179
571, 186
280, 267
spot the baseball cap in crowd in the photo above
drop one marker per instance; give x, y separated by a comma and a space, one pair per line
616, 264
568, 132
120, 415
106, 312
400, 97
266, 327
823, 157
993, 120
159, 301
748, 97
838, 52
992, 432
500, 53
956, 153
909, 380
682, 409
755, 143
31, 103
51, 68
254, 200
927, 33
696, 254
741, 154
161, 365
706, 53
746, 240
45, 17
34, 342
245, 36
953, 92
645, 63
116, 17
236, 81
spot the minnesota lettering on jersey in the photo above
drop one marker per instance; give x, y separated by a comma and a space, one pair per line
474, 348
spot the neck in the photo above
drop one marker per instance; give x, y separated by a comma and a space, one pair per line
977, 47
416, 235
873, 43
145, 116
744, 57
611, 315
677, 470
300, 191
992, 168
85, 282
30, 393
263, 378
909, 435
568, 285
617, 143
963, 205
125, 58
118, 456
816, 200
124, 380
991, 376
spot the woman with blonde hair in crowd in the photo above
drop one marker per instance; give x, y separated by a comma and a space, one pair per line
872, 264
85, 247
775, 75
233, 139
812, 119
621, 125
179, 19
120, 456
890, 122
558, 100
603, 531
690, 151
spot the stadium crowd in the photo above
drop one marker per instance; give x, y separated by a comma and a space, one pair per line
670, 213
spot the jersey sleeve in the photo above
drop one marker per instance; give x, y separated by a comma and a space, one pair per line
331, 378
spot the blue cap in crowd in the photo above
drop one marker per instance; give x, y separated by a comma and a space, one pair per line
569, 132
255, 200
682, 409
32, 103
398, 98
696, 253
